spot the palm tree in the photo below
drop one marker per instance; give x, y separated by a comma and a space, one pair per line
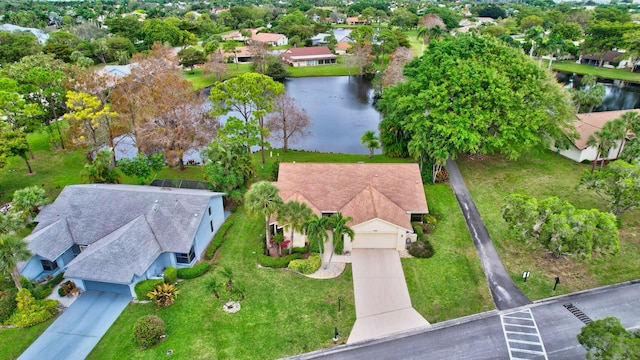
630, 120
339, 228
316, 229
426, 30
371, 141
294, 213
604, 140
263, 200
534, 35
13, 250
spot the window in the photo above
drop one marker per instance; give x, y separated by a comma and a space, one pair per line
182, 258
417, 218
76, 250
327, 214
49, 265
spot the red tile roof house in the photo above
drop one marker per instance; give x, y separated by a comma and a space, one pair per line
587, 125
270, 39
382, 199
309, 56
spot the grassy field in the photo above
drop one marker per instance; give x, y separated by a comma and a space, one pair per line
491, 179
615, 74
451, 284
13, 341
283, 313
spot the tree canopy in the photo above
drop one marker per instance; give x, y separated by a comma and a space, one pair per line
608, 339
618, 184
472, 94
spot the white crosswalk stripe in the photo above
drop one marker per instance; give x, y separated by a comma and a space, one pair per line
522, 336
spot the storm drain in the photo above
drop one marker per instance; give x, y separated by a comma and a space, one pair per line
578, 313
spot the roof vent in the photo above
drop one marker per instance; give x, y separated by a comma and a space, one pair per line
156, 201
196, 215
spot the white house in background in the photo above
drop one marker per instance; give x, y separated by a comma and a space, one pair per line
110, 237
587, 125
309, 56
270, 39
381, 199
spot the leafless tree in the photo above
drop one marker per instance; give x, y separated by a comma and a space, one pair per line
288, 122
393, 73
258, 51
216, 66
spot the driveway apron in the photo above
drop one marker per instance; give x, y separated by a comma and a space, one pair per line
505, 293
75, 333
383, 305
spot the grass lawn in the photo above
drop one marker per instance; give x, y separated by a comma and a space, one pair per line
283, 313
16, 340
200, 81
491, 179
451, 284
616, 74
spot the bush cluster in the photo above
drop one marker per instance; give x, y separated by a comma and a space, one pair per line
31, 311
194, 272
421, 249
8, 305
306, 266
170, 275
148, 331
277, 262
442, 177
143, 287
217, 241
300, 250
40, 291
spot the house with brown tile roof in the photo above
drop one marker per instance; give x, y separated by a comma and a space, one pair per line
270, 39
586, 125
342, 47
381, 199
309, 56
356, 20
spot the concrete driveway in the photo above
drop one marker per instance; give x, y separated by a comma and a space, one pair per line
383, 305
74, 334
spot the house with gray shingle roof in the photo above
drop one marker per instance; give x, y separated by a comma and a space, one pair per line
381, 199
110, 237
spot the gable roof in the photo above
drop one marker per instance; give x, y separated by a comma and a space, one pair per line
309, 53
362, 191
48, 249
587, 124
116, 258
266, 37
609, 56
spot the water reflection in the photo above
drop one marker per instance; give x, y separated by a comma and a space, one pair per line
617, 96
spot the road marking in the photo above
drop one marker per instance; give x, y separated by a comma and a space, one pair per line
522, 336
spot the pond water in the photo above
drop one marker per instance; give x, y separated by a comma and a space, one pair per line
617, 96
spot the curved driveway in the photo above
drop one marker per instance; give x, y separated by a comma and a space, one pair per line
506, 295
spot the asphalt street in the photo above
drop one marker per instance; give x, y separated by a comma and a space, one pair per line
482, 336
506, 295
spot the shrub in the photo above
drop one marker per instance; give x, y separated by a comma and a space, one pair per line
26, 283
417, 228
57, 280
170, 275
148, 331
31, 311
8, 305
163, 294
217, 241
306, 266
421, 249
277, 262
429, 224
442, 176
194, 272
300, 250
143, 287
41, 291
66, 287
275, 168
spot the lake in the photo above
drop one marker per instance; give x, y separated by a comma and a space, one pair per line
617, 96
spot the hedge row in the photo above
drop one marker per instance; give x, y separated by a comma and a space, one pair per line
306, 266
170, 275
218, 239
194, 272
143, 287
277, 262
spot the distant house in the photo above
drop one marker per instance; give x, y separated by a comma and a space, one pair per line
242, 55
39, 34
322, 39
342, 47
309, 56
381, 199
356, 20
118, 70
270, 39
587, 125
613, 59
110, 237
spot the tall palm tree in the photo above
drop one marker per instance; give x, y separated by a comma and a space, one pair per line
13, 250
534, 35
371, 141
428, 23
293, 214
339, 228
631, 121
604, 140
263, 200
316, 229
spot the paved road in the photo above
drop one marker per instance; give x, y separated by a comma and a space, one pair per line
74, 334
506, 295
482, 336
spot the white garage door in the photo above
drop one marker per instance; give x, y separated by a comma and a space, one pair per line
375, 241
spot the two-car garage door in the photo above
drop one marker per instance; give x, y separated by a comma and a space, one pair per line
375, 241
107, 287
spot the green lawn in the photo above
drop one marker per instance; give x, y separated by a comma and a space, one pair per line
616, 74
451, 284
491, 179
283, 313
13, 341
